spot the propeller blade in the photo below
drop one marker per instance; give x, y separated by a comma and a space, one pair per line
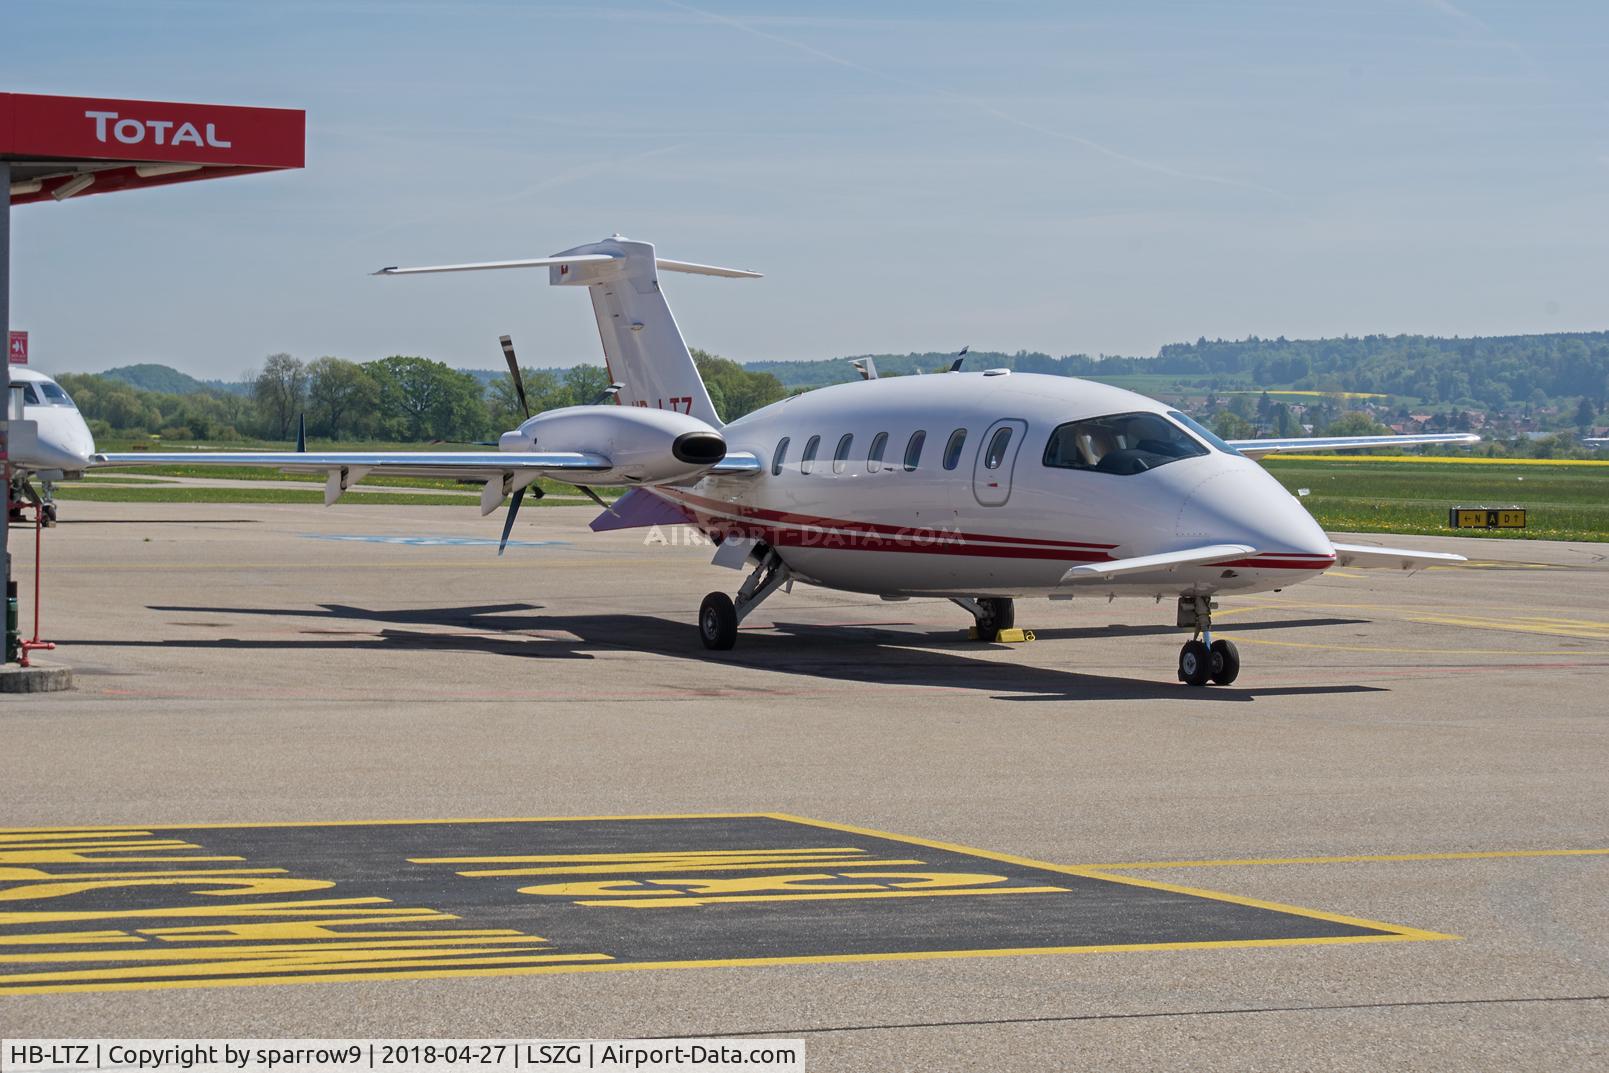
301, 433
514, 372
590, 494
606, 394
508, 523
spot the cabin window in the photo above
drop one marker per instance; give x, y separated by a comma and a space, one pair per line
780, 457
840, 457
1122, 443
996, 453
874, 457
913, 450
952, 449
807, 461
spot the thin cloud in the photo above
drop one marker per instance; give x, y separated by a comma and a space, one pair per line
976, 105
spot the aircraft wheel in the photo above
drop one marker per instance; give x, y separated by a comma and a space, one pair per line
49, 519
1002, 615
717, 622
1223, 663
1195, 663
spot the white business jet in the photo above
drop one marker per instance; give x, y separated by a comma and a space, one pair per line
49, 441
976, 486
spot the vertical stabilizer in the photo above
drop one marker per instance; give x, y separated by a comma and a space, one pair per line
642, 345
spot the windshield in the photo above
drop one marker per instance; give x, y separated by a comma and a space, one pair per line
1124, 444
1203, 431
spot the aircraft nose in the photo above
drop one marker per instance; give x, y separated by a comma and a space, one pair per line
1243, 504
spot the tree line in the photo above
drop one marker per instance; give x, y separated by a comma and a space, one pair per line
1496, 372
402, 398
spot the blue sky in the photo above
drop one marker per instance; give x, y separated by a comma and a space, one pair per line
1044, 176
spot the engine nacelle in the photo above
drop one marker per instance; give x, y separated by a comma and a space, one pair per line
646, 446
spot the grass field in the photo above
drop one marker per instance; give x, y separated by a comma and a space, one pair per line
1402, 495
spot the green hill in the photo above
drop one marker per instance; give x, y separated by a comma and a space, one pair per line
152, 377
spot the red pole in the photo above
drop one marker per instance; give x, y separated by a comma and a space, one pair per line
28, 646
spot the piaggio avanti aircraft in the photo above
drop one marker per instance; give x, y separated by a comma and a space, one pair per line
976, 486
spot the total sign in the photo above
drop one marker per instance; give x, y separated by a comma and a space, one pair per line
17, 348
135, 131
92, 128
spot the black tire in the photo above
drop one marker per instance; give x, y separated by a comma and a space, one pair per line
1223, 663
717, 622
999, 614
1195, 663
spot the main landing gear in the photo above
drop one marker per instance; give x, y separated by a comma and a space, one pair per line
719, 615
1202, 659
992, 613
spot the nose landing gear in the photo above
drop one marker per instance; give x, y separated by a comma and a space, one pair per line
1202, 659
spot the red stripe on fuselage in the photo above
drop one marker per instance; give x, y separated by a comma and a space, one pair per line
788, 518
782, 529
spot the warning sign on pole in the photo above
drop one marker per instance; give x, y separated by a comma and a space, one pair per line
18, 348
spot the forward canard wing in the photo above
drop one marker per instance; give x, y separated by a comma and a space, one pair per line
1146, 564
1367, 557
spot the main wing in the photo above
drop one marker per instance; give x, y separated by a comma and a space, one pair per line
503, 472
1258, 448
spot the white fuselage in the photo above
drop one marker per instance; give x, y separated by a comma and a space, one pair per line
1000, 522
61, 444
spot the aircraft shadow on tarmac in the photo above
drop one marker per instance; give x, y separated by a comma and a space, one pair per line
881, 654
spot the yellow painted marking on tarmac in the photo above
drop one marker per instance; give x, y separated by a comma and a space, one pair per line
1333, 646
414, 822
379, 961
1094, 873
1474, 855
560, 870
1585, 631
60, 937
822, 959
657, 903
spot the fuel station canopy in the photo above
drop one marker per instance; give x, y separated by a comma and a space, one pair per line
62, 147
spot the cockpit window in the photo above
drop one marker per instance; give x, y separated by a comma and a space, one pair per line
1203, 431
30, 396
1121, 443
54, 395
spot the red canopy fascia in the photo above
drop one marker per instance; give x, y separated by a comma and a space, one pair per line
52, 141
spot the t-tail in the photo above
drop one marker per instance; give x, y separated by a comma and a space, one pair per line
642, 345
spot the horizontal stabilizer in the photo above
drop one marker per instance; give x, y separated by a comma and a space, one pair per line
1144, 564
576, 259
1258, 448
485, 266
704, 270
1367, 557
